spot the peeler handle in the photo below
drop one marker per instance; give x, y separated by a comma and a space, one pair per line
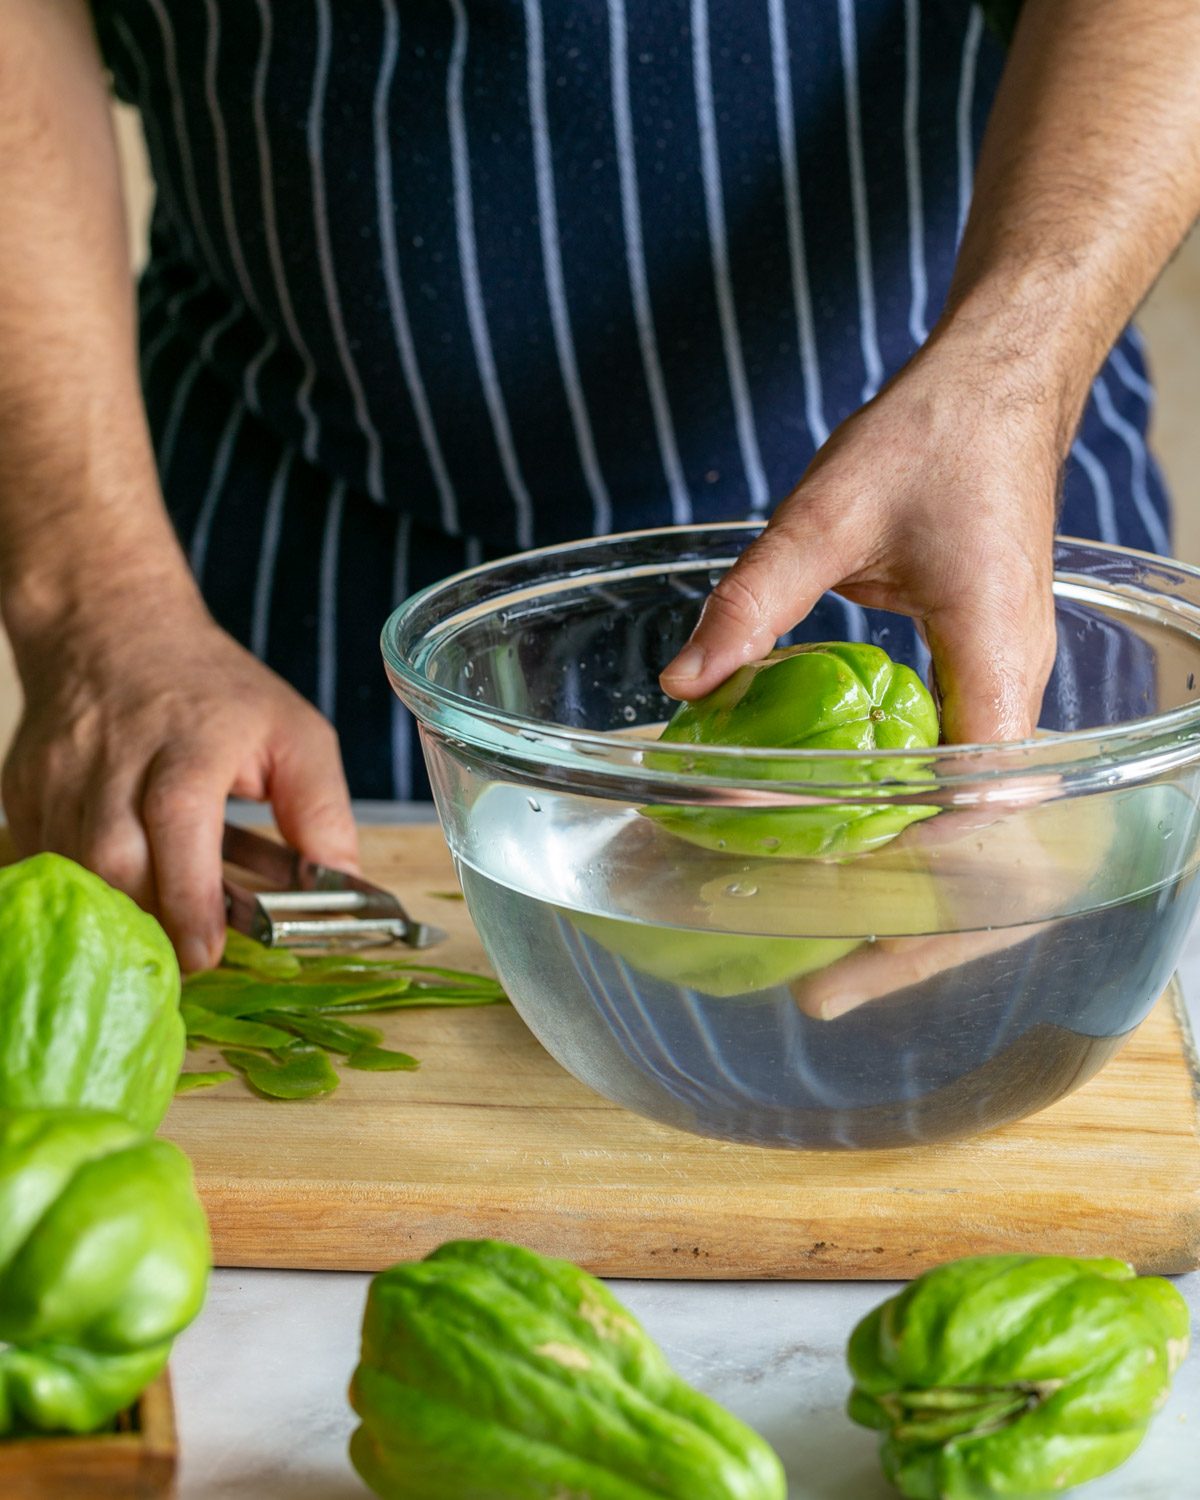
309, 902
278, 864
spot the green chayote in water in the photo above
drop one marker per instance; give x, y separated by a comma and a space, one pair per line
89, 995
833, 696
488, 1370
104, 1257
712, 963
1012, 1377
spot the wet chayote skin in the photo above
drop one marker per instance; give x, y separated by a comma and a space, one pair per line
89, 996
834, 696
712, 963
490, 1371
104, 1257
1012, 1377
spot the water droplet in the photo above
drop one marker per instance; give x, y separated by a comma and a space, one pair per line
469, 669
741, 888
534, 804
770, 843
720, 843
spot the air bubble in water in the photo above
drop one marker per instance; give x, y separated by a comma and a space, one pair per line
770, 843
534, 804
629, 713
741, 888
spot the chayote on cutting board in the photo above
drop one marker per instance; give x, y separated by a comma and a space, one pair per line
89, 995
832, 696
104, 1257
1013, 1377
487, 1370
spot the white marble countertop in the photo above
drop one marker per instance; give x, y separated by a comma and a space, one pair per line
260, 1378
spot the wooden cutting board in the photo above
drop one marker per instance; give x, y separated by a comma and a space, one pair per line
492, 1137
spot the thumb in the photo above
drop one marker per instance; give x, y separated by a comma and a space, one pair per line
991, 667
310, 798
770, 588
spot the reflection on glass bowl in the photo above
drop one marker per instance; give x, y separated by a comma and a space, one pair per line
969, 971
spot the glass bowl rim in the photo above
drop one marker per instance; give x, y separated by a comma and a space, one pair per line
1142, 747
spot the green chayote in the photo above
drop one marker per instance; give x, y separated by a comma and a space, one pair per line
89, 995
104, 1257
1010, 1377
712, 963
489, 1370
833, 696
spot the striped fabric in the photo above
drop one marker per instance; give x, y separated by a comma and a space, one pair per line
433, 280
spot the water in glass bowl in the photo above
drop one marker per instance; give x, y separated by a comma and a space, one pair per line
957, 979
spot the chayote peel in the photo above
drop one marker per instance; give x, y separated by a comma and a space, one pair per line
89, 996
490, 1371
104, 1257
1011, 1377
832, 696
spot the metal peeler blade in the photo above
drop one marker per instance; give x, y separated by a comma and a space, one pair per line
311, 904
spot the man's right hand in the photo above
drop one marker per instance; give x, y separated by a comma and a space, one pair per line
135, 731
141, 716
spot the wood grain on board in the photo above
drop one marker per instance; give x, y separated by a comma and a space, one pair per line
492, 1137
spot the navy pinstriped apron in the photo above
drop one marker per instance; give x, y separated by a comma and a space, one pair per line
434, 280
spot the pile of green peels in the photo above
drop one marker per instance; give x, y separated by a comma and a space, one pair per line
278, 1016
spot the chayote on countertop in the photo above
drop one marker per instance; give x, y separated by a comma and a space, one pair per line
832, 696
1011, 1377
489, 1371
89, 996
104, 1257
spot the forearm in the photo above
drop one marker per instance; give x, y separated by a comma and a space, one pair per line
81, 518
1087, 182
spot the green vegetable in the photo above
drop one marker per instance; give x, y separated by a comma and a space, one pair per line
292, 1072
714, 963
188, 1083
487, 1370
89, 996
242, 952
280, 1012
104, 1256
833, 697
381, 1060
327, 1031
1015, 1375
210, 1026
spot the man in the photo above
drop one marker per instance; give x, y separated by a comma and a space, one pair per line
438, 280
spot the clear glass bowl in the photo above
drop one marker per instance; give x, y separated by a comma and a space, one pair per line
970, 971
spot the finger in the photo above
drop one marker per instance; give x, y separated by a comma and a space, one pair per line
883, 968
62, 820
311, 800
113, 840
993, 659
770, 588
183, 811
22, 808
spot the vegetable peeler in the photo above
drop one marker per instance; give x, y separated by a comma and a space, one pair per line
311, 904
